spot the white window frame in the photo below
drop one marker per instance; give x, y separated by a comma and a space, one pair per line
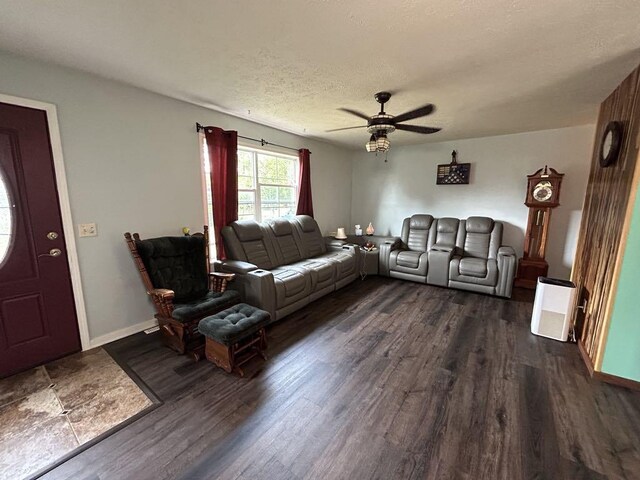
257, 190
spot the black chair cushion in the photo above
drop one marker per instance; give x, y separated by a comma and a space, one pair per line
233, 324
178, 264
209, 303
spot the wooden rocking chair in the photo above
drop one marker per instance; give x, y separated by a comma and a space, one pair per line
177, 276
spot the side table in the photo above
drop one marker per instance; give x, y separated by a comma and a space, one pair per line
369, 262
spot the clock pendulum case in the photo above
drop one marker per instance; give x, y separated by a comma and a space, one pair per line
543, 195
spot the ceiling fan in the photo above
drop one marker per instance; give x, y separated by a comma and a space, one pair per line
381, 124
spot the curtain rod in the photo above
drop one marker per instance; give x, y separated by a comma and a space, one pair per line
261, 141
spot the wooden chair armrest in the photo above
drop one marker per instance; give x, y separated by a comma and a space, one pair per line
163, 293
218, 281
163, 299
227, 276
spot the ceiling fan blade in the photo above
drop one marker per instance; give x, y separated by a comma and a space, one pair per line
417, 113
345, 128
355, 112
417, 128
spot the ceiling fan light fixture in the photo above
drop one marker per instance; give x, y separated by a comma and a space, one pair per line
380, 122
382, 143
371, 145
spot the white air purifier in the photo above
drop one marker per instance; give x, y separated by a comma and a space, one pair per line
552, 308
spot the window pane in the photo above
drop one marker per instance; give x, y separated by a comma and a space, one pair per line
286, 194
246, 205
245, 163
245, 182
245, 170
270, 212
268, 195
283, 163
287, 210
246, 197
290, 173
246, 209
267, 169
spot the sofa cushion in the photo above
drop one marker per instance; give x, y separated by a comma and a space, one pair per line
344, 262
280, 226
473, 267
286, 247
307, 223
323, 273
208, 304
247, 241
233, 324
479, 225
308, 235
418, 235
176, 263
408, 258
446, 231
247, 230
421, 222
291, 285
409, 261
456, 275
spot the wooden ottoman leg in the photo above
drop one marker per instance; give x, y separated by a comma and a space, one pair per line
219, 354
263, 343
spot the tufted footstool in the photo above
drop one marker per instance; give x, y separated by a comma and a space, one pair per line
234, 336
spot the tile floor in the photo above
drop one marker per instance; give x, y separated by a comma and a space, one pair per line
49, 411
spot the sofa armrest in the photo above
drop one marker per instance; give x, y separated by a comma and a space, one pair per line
506, 251
163, 300
258, 289
439, 258
355, 249
236, 266
333, 242
443, 248
385, 252
506, 271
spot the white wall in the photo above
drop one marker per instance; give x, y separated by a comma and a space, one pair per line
385, 193
132, 163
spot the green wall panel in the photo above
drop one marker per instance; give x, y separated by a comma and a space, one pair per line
622, 351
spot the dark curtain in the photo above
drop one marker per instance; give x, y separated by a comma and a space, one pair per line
305, 201
223, 157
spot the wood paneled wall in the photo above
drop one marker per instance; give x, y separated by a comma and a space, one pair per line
603, 219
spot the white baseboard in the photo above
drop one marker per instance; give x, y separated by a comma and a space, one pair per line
123, 332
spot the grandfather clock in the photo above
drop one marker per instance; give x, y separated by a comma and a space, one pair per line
543, 195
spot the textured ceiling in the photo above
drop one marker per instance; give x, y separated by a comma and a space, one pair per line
490, 67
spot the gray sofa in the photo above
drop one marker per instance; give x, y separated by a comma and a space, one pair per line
281, 265
464, 254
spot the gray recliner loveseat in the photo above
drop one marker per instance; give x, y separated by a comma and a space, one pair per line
283, 264
464, 254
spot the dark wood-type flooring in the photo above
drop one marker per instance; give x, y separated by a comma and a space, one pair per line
383, 379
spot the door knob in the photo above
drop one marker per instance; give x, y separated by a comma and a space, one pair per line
52, 235
583, 307
54, 252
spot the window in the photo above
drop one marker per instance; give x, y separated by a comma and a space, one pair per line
267, 184
5, 219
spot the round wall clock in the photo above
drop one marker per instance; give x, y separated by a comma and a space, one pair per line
610, 144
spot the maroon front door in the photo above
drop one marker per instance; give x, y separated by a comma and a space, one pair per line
37, 312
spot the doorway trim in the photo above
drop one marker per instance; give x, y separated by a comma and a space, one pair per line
65, 207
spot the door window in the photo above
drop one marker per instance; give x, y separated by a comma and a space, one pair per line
6, 222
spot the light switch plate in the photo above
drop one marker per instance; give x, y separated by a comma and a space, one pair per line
87, 230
